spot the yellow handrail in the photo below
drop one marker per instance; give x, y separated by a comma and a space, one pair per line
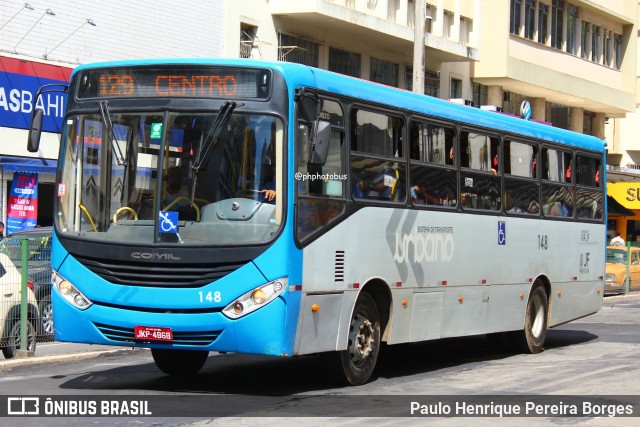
124, 208
86, 212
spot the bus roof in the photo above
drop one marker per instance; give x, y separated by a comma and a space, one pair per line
298, 75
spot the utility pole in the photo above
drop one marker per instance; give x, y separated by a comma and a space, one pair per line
418, 46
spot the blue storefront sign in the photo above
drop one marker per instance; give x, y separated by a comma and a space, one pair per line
19, 82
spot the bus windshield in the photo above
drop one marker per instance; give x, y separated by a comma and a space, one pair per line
197, 178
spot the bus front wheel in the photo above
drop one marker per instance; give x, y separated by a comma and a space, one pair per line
356, 364
179, 362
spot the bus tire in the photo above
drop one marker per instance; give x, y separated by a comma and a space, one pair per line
13, 339
179, 362
531, 338
356, 364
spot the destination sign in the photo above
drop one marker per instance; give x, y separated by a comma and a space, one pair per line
200, 82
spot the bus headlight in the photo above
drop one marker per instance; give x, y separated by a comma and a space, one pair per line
256, 298
70, 292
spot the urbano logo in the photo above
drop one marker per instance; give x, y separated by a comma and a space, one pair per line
425, 245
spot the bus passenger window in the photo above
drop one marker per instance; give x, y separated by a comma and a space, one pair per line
589, 197
433, 186
557, 195
431, 143
376, 145
377, 179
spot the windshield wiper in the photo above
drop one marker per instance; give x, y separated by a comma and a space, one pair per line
214, 131
106, 120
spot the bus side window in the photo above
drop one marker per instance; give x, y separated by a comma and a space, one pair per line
329, 178
376, 144
522, 190
557, 191
479, 183
432, 175
589, 197
320, 189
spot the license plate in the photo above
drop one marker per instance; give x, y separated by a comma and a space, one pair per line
150, 333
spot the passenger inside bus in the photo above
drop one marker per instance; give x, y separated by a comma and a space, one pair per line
382, 185
175, 189
177, 196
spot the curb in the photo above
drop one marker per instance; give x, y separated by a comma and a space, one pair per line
18, 362
622, 298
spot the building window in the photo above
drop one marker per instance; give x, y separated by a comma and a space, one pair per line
560, 116
431, 81
516, 7
572, 30
384, 72
480, 94
585, 36
511, 102
466, 27
456, 88
557, 21
529, 18
298, 49
247, 39
606, 48
587, 123
617, 50
595, 43
344, 62
543, 23
429, 17
448, 24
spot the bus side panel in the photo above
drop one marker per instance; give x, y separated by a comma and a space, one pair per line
426, 316
319, 328
460, 273
569, 255
569, 297
324, 329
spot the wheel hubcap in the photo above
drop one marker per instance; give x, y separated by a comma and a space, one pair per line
361, 339
538, 318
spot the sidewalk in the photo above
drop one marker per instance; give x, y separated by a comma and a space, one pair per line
630, 297
63, 352
55, 351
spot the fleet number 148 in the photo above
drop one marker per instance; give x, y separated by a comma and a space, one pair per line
210, 296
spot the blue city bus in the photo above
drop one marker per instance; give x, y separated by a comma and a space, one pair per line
272, 208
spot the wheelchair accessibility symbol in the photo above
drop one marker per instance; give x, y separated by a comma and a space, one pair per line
168, 222
502, 233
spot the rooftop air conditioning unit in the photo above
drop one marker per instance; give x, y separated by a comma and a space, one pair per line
462, 101
492, 108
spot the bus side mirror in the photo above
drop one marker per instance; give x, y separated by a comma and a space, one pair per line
35, 130
319, 144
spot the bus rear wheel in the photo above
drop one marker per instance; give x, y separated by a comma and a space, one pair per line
531, 338
356, 364
179, 362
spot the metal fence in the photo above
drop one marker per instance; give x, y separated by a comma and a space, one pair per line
25, 292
